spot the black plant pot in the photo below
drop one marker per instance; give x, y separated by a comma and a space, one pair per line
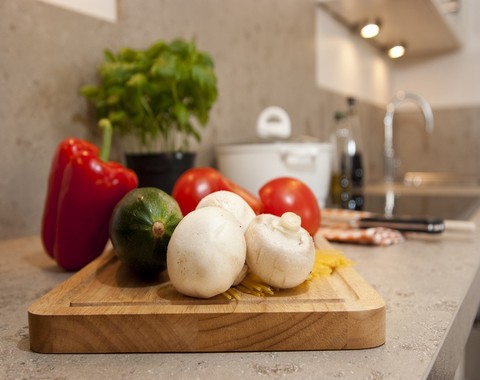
159, 170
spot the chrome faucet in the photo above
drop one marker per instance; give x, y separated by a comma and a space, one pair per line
389, 152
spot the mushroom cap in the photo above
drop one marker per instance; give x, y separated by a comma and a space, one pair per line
279, 255
206, 252
231, 202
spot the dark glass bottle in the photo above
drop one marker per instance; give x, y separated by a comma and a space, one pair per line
357, 171
341, 139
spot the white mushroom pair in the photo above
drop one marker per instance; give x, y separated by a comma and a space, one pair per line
209, 247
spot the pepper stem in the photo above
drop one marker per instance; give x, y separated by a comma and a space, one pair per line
106, 126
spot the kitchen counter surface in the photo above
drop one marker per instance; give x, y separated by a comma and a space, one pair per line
431, 286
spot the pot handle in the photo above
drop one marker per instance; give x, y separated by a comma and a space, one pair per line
297, 157
273, 122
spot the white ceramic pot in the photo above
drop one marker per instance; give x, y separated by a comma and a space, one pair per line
253, 165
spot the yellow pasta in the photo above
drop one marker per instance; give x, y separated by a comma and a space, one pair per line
326, 261
231, 294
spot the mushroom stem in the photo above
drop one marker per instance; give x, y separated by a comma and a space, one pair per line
279, 250
290, 221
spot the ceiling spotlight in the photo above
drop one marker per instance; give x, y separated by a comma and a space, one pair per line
396, 51
370, 29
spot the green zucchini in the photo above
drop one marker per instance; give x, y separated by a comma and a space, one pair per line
140, 229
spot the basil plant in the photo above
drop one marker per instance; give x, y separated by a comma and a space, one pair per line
162, 95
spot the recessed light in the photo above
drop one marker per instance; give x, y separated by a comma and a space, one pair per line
396, 51
370, 29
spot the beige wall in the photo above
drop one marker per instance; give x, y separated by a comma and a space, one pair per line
452, 147
264, 53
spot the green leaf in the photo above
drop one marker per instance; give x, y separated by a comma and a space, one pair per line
138, 80
116, 72
181, 112
193, 132
182, 48
109, 56
117, 116
89, 91
204, 76
164, 66
128, 55
116, 90
113, 99
204, 59
156, 49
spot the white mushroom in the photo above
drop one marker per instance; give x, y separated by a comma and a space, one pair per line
231, 202
238, 207
206, 252
279, 251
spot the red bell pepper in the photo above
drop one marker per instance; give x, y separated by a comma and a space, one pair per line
66, 150
83, 189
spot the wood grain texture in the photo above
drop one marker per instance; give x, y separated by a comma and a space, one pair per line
102, 308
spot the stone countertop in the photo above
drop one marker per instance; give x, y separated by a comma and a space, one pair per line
431, 286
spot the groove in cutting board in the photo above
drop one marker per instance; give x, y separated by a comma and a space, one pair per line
104, 309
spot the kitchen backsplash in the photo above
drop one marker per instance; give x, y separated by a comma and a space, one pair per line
264, 55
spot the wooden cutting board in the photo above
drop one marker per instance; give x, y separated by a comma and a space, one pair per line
103, 309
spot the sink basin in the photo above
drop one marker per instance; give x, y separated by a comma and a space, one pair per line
447, 196
443, 206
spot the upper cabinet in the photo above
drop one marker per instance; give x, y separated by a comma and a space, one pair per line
421, 25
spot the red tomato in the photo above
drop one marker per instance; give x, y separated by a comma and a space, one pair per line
289, 194
196, 183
